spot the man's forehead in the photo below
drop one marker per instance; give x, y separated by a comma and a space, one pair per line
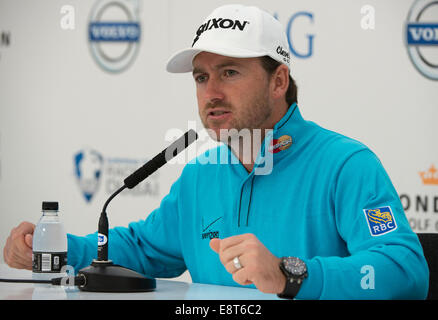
217, 61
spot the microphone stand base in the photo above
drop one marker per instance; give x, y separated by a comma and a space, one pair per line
105, 276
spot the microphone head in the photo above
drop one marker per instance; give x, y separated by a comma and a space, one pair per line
180, 144
160, 159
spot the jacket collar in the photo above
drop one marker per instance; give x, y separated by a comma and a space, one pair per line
292, 115
278, 142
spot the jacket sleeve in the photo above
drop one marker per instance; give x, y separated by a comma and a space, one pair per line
386, 259
150, 246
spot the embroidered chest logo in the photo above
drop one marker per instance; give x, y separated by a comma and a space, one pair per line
380, 220
210, 230
282, 143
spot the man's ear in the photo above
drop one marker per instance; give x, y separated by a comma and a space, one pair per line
280, 81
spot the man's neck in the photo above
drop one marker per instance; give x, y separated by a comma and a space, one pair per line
247, 145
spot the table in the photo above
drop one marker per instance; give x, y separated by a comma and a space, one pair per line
166, 290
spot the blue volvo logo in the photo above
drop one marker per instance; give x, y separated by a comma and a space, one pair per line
114, 33
421, 36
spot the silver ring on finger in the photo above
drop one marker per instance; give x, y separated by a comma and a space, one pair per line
236, 263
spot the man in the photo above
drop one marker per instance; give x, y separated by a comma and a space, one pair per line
320, 220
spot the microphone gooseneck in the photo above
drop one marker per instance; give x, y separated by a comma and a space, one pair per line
103, 227
134, 179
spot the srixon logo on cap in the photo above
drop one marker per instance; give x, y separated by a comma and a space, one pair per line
221, 23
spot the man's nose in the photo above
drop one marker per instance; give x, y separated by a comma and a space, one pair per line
214, 90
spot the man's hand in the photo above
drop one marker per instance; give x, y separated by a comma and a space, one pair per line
17, 252
259, 265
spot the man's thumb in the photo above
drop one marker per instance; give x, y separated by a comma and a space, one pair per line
28, 238
215, 244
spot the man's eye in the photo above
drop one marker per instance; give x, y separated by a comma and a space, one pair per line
230, 73
200, 78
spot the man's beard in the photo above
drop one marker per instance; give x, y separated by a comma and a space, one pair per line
244, 120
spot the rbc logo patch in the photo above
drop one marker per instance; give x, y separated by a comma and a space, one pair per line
380, 220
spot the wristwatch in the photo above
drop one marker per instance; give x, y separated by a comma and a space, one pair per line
295, 271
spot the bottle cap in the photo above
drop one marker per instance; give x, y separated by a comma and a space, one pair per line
50, 206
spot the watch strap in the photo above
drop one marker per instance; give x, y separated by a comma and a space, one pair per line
293, 282
291, 289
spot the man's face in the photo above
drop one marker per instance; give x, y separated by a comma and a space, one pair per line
233, 93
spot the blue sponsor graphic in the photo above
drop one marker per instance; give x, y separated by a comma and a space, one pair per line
299, 50
94, 173
114, 31
88, 169
101, 239
380, 220
422, 34
309, 52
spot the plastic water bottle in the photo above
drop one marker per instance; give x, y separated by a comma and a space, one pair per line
49, 244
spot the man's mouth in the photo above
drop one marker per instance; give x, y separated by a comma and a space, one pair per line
218, 114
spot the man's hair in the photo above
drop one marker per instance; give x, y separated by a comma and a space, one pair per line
270, 65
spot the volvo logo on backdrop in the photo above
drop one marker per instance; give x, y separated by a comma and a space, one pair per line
421, 34
114, 33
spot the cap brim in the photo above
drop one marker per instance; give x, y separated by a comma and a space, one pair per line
182, 61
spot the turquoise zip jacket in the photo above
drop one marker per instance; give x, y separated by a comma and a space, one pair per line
317, 195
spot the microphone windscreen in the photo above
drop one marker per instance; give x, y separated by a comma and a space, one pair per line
180, 144
160, 159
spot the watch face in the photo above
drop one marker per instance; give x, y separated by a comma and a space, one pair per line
295, 266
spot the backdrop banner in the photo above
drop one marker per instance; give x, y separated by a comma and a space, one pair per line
85, 98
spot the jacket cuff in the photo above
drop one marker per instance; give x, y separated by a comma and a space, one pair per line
312, 285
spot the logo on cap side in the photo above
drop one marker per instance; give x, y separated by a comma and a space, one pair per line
284, 53
221, 23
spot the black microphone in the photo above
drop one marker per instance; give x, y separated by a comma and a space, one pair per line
160, 159
135, 178
103, 275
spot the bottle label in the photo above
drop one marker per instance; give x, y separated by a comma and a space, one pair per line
48, 261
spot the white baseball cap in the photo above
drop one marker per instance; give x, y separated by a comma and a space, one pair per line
235, 31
